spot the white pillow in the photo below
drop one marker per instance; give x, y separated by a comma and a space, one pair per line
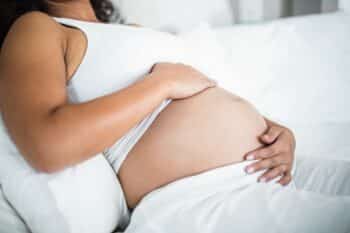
204, 52
60, 202
88, 197
294, 70
176, 15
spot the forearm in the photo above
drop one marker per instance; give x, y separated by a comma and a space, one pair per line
75, 132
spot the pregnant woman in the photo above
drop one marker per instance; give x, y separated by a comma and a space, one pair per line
72, 86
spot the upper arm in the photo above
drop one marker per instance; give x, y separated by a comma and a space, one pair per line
32, 75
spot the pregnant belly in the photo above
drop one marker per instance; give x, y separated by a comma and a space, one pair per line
212, 129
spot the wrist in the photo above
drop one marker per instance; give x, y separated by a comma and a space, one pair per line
163, 85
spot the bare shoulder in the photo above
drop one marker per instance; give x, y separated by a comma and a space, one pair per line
33, 32
35, 23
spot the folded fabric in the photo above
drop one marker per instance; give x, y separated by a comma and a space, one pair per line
227, 199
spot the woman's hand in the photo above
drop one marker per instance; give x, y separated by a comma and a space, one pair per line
181, 80
277, 156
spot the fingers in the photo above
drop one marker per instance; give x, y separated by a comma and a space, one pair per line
266, 164
263, 153
276, 157
278, 146
286, 179
273, 173
271, 135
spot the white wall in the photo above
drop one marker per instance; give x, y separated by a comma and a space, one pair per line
174, 15
248, 11
275, 9
187, 13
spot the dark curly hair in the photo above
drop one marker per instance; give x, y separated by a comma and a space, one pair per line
10, 10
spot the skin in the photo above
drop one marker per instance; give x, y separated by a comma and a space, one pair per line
33, 81
187, 139
42, 122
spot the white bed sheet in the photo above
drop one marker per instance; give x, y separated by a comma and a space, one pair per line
296, 71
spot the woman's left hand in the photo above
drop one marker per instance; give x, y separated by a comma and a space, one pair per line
277, 156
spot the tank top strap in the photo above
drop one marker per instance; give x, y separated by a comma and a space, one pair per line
78, 24
84, 27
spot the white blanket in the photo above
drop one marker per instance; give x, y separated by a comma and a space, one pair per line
227, 200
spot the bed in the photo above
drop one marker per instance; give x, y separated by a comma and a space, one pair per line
296, 71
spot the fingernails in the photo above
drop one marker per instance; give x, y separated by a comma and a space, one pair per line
250, 170
250, 157
262, 180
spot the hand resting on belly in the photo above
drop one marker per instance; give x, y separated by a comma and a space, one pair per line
211, 129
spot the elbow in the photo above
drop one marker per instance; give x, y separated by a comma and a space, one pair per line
42, 165
44, 162
47, 155
45, 167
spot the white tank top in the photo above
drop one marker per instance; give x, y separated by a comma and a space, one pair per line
117, 56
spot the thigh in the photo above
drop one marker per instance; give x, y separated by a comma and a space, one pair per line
249, 209
329, 177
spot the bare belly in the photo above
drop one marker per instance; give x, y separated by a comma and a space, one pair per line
209, 130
